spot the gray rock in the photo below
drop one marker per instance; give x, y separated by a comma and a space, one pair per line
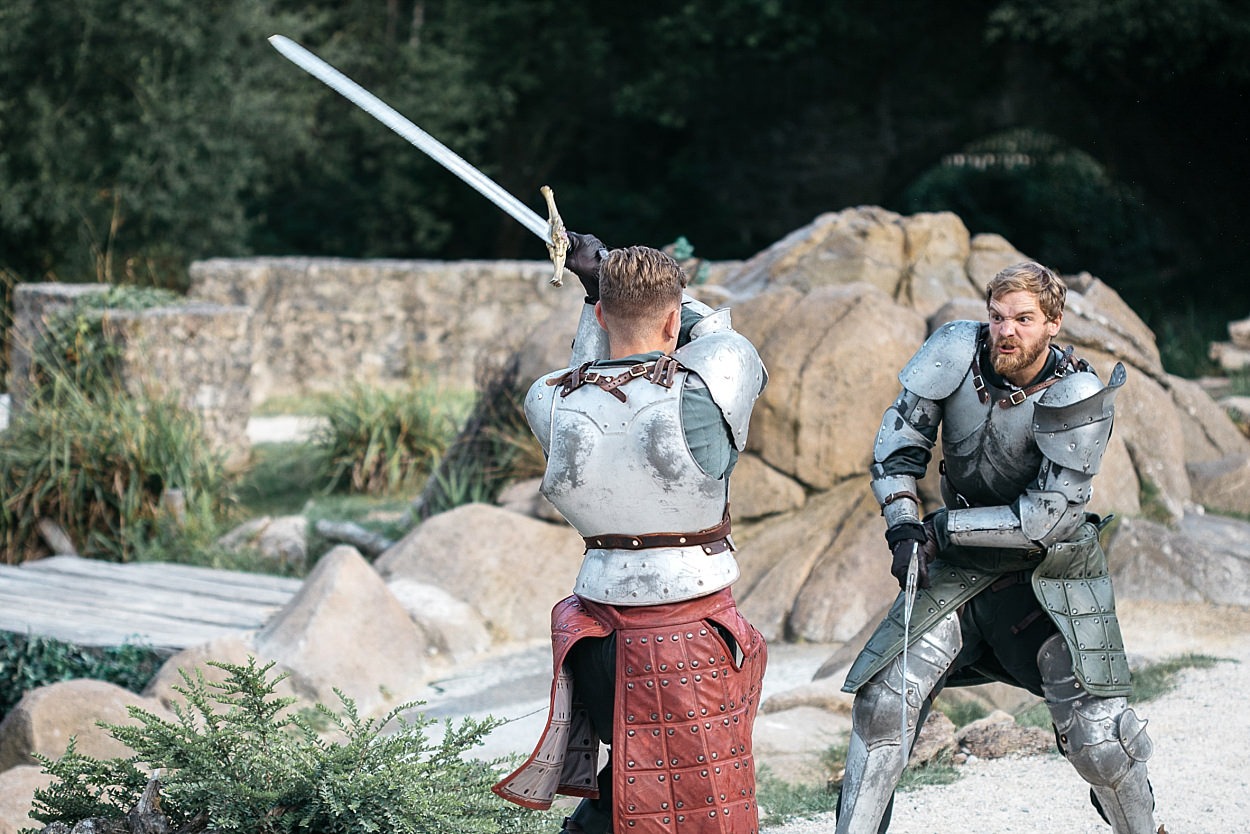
511, 568
1204, 558
345, 629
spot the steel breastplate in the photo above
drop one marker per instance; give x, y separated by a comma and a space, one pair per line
625, 468
990, 453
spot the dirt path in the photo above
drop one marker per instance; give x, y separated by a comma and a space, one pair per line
1200, 769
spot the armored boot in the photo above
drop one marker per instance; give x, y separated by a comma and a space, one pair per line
1103, 739
874, 762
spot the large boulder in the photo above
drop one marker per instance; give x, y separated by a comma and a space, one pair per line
46, 718
511, 568
346, 630
1222, 485
758, 490
17, 794
1209, 434
836, 309
453, 629
1203, 558
833, 356
865, 244
818, 574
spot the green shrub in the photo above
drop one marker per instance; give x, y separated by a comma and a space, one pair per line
378, 442
493, 448
101, 468
29, 662
238, 758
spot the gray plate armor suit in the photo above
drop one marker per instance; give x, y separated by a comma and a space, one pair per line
1017, 471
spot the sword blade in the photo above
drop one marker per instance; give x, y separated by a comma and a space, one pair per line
436, 150
909, 602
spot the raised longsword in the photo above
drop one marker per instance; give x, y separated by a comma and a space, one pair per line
909, 602
551, 231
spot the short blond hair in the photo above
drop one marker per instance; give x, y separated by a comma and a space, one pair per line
1031, 277
640, 282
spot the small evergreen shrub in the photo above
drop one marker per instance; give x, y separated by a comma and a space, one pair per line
238, 759
28, 662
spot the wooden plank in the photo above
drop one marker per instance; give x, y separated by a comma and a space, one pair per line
167, 635
58, 592
98, 628
95, 603
226, 584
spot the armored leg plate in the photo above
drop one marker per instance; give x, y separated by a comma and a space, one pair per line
1104, 740
874, 761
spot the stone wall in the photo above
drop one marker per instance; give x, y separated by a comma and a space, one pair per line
320, 324
32, 305
198, 352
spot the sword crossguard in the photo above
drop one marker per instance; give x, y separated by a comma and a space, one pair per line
558, 246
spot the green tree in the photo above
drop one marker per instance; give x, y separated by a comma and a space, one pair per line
129, 134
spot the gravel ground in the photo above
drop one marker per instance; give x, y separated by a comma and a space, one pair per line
1200, 769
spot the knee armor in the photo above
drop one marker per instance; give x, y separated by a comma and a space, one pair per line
1103, 739
878, 706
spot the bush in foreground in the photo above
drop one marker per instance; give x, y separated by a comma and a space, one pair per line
237, 759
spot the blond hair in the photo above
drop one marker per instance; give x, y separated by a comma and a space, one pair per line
639, 282
1030, 277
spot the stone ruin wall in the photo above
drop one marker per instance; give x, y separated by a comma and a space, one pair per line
256, 329
320, 325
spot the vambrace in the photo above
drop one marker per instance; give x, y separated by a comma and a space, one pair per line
1103, 739
1037, 519
909, 426
590, 344
897, 496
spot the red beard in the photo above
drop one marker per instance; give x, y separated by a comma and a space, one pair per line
1007, 364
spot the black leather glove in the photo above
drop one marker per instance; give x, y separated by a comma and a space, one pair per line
586, 254
902, 538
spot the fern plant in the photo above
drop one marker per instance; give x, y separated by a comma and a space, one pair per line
237, 758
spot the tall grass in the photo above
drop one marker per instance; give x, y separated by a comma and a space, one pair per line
493, 448
96, 460
378, 442
101, 469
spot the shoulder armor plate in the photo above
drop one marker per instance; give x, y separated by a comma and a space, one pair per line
539, 403
731, 368
698, 306
1072, 419
942, 361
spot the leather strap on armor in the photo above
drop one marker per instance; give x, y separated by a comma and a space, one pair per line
713, 539
660, 372
895, 496
1066, 364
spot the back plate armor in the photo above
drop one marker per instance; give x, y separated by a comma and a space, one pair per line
624, 468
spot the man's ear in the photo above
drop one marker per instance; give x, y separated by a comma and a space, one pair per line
599, 315
1055, 324
672, 323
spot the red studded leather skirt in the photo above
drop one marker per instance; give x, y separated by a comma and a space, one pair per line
685, 704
